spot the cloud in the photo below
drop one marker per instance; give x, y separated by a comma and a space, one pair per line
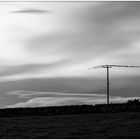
30, 68
90, 34
31, 94
59, 101
52, 85
31, 11
70, 87
13, 70
120, 86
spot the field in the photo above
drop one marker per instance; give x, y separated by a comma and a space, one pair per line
81, 126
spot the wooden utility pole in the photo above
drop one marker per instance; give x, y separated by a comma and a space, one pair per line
107, 85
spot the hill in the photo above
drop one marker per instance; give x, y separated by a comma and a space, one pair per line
76, 122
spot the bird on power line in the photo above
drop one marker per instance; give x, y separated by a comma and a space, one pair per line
108, 67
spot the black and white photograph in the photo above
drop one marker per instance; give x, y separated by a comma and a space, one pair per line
69, 69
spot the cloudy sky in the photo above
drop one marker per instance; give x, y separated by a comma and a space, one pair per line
46, 49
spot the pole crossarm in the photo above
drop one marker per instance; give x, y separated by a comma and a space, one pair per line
110, 66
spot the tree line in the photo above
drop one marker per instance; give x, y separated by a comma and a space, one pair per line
129, 106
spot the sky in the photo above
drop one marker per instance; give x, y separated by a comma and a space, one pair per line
47, 48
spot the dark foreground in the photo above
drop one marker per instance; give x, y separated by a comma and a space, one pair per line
82, 126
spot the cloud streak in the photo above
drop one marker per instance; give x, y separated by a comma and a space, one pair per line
31, 94
30, 11
59, 101
30, 68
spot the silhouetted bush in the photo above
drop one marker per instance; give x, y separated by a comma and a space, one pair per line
134, 101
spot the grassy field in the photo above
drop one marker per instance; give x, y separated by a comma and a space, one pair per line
86, 126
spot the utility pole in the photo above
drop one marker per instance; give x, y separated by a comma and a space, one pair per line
107, 85
107, 68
